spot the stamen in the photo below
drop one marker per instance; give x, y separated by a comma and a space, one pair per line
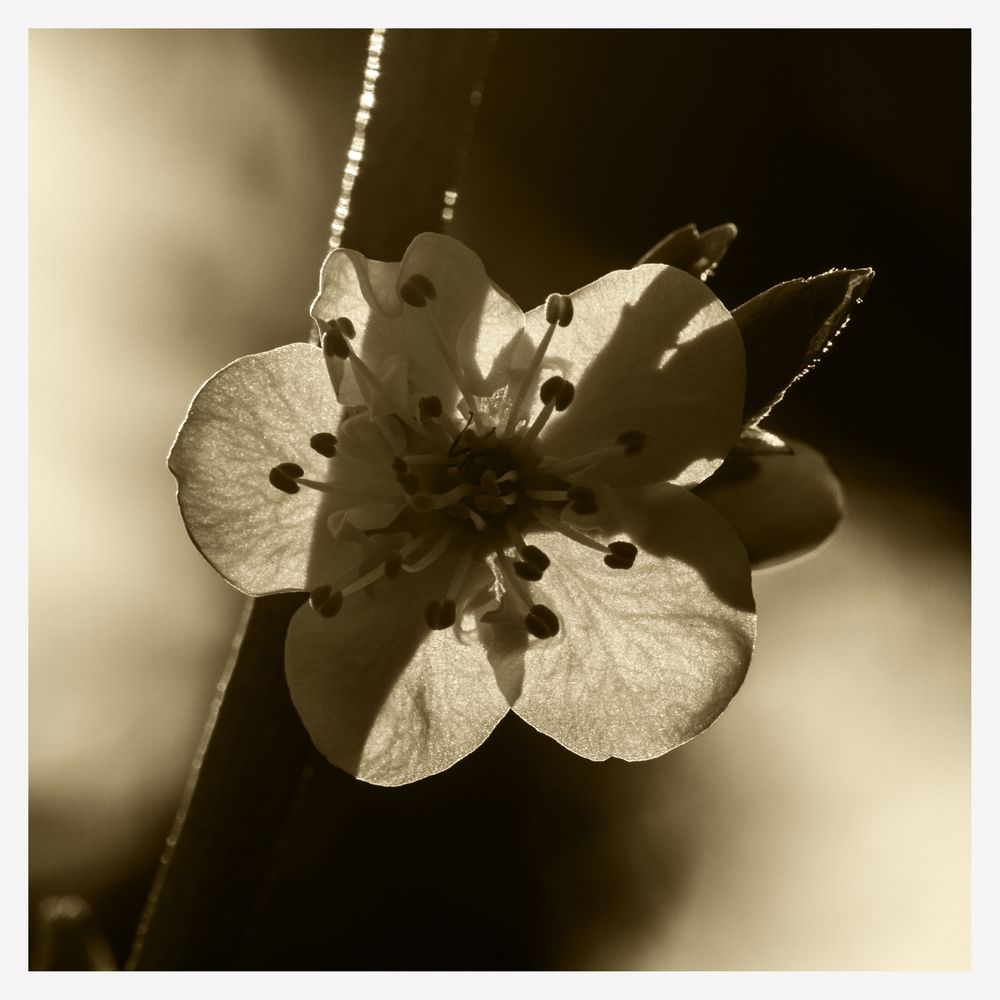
572, 533
282, 480
559, 309
335, 345
558, 312
424, 502
556, 394
531, 554
430, 407
324, 443
440, 614
632, 441
326, 601
582, 500
517, 587
621, 555
629, 443
460, 510
541, 622
417, 291
424, 285
432, 554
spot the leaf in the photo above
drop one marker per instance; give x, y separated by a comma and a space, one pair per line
697, 253
788, 328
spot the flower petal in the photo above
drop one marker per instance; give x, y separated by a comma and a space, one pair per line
645, 658
650, 349
254, 414
474, 317
781, 505
382, 696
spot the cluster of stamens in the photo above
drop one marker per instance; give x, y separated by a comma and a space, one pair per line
469, 487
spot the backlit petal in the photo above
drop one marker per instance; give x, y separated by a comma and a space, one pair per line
650, 349
645, 658
382, 696
781, 505
474, 317
254, 414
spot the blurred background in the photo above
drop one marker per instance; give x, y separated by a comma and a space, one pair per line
182, 187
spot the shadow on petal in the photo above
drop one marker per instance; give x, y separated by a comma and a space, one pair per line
656, 352
672, 523
781, 505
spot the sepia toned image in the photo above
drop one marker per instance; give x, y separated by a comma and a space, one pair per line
506, 495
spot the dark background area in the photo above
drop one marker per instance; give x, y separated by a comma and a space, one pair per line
827, 149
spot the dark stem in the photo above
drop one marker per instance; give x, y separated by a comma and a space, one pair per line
240, 820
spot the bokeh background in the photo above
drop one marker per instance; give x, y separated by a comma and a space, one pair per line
181, 189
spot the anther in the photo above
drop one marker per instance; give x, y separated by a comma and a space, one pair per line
393, 565
326, 602
632, 441
334, 345
534, 555
430, 407
541, 621
412, 294
324, 443
550, 388
346, 327
424, 285
581, 500
527, 571
558, 392
621, 555
318, 596
281, 480
440, 614
409, 482
291, 469
559, 309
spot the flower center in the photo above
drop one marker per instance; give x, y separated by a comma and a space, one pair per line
464, 487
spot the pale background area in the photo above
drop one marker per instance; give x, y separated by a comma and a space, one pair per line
180, 198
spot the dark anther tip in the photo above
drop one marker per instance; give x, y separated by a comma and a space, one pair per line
565, 396
291, 469
412, 295
534, 555
325, 443
632, 441
621, 555
541, 622
551, 388
318, 596
331, 605
282, 481
334, 345
424, 284
528, 571
440, 614
565, 310
346, 327
430, 407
